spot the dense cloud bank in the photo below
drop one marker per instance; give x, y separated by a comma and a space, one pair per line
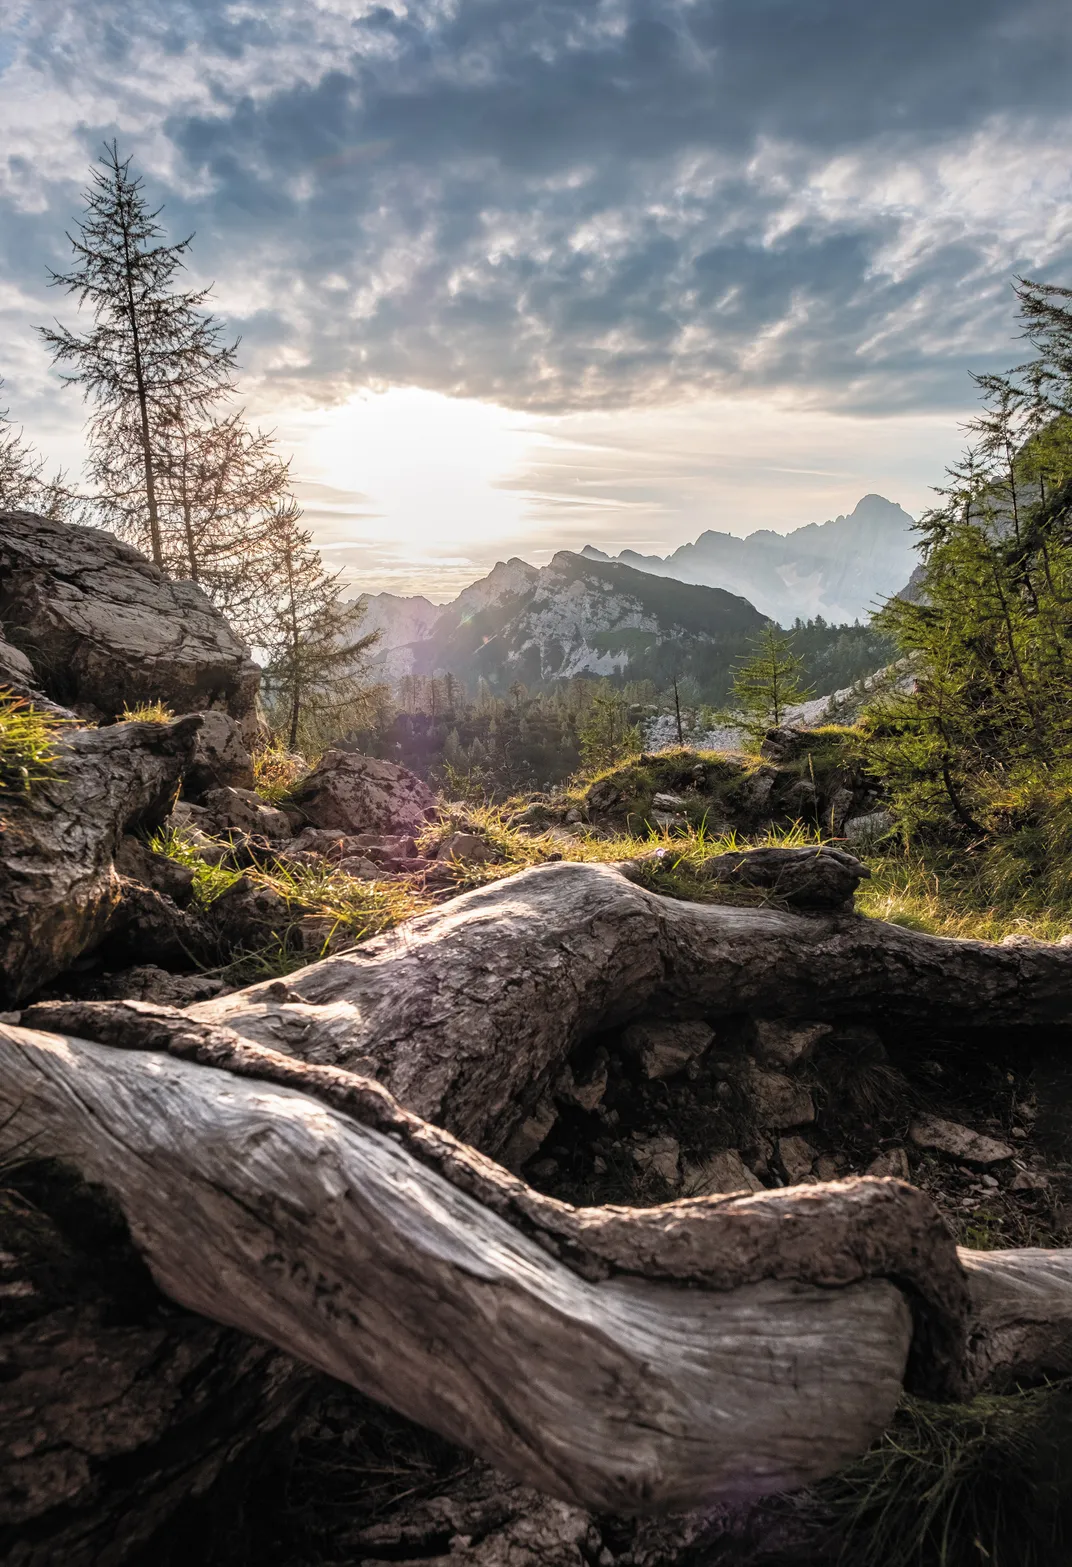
568, 204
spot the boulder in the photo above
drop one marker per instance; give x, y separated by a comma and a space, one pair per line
354, 794
59, 889
868, 829
785, 743
891, 1161
360, 867
797, 1158
817, 878
722, 1172
135, 861
777, 1101
249, 913
221, 759
147, 982
658, 1156
468, 847
958, 1142
240, 810
664, 1049
104, 629
778, 1043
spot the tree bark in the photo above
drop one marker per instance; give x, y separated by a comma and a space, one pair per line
618, 1359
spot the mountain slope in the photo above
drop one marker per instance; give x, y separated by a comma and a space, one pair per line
572, 617
839, 569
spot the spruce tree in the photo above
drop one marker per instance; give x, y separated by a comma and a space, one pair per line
767, 683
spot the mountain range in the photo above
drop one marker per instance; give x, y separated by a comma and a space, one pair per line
692, 613
574, 616
840, 569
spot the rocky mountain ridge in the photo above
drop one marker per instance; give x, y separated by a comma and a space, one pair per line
571, 617
841, 569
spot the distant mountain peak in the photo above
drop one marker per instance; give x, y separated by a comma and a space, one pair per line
840, 569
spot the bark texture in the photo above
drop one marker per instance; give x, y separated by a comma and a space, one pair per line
616, 1359
58, 885
467, 1012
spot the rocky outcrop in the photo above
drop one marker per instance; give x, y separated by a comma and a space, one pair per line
355, 794
221, 758
104, 630
59, 888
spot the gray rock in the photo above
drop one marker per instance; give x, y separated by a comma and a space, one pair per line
466, 846
785, 743
355, 794
585, 1095
797, 1157
777, 1101
779, 1043
533, 1130
668, 802
220, 760
958, 1142
360, 867
104, 629
892, 1161
248, 913
658, 1156
240, 810
820, 878
1029, 1181
15, 667
867, 829
664, 1049
839, 809
722, 1172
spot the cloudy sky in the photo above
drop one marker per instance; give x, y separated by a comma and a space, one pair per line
513, 275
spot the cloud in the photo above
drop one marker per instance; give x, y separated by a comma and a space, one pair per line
568, 206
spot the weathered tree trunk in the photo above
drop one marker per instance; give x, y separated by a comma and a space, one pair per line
618, 1359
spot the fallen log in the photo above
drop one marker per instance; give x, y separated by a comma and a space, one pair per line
620, 1359
467, 1012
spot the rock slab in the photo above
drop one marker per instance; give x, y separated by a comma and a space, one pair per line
105, 630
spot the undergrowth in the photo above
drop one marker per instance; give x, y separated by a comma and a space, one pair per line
985, 1484
147, 713
277, 772
28, 744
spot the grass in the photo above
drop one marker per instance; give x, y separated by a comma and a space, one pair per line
277, 771
28, 744
348, 909
985, 1484
147, 713
948, 895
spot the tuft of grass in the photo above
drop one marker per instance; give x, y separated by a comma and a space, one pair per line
186, 848
277, 772
985, 1484
147, 713
950, 894
28, 744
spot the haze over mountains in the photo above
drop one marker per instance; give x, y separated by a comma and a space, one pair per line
841, 570
645, 617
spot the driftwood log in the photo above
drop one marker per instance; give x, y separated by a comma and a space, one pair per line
307, 1161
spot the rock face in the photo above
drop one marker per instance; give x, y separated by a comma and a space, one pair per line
221, 759
58, 885
356, 794
104, 629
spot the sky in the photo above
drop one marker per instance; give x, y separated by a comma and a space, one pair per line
518, 275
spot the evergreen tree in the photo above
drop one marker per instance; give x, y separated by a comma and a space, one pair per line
987, 727
768, 683
152, 358
604, 733
313, 675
